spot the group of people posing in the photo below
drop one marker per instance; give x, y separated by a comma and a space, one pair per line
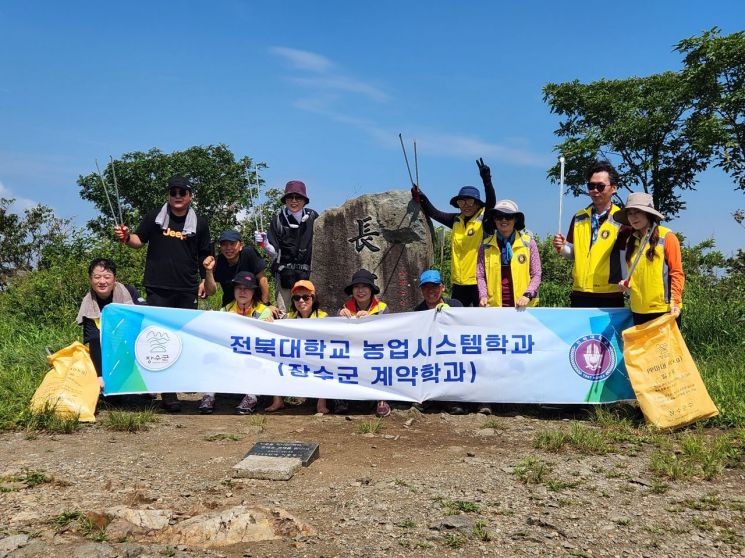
494, 261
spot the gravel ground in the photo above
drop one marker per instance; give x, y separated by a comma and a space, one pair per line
423, 485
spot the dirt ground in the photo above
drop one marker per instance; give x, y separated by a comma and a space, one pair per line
425, 485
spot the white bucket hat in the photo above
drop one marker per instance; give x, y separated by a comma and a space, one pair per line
637, 200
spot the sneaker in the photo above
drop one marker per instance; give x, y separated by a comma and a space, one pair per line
383, 409
207, 404
170, 403
456, 410
484, 409
340, 406
247, 405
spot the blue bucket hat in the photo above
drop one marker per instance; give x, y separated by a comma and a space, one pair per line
467, 192
430, 276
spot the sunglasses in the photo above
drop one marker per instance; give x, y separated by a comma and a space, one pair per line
465, 202
294, 197
173, 192
599, 186
504, 216
304, 298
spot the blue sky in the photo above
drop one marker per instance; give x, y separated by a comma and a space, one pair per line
320, 91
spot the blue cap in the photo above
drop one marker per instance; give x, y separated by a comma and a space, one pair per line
467, 192
430, 276
230, 236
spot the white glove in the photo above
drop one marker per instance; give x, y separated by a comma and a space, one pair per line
259, 237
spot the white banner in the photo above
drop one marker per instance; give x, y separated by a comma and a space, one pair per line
541, 355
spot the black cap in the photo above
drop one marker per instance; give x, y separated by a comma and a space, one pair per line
246, 279
178, 181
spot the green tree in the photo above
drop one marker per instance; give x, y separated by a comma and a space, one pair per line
715, 71
221, 184
644, 125
23, 237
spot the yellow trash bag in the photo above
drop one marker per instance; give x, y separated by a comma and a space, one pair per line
71, 387
665, 379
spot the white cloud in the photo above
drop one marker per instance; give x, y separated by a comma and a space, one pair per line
303, 59
321, 75
326, 86
20, 204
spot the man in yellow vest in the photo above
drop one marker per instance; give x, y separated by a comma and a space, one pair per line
591, 243
467, 233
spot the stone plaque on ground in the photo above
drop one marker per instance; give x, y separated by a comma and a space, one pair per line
387, 234
307, 452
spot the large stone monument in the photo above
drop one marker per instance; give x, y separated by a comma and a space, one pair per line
385, 233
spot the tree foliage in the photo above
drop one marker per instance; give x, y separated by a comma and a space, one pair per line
715, 72
23, 237
221, 184
644, 125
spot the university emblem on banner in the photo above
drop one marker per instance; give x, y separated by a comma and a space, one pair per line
593, 357
157, 348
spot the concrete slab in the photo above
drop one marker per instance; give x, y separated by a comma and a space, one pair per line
268, 468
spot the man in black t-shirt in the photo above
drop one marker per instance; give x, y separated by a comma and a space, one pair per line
234, 257
178, 242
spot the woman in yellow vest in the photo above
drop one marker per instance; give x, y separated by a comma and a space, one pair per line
508, 268
467, 233
245, 304
304, 305
656, 284
363, 302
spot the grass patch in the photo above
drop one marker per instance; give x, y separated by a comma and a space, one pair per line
454, 540
454, 507
407, 524
371, 426
84, 525
532, 470
581, 438
697, 455
257, 420
130, 421
479, 531
47, 420
709, 502
27, 478
555, 485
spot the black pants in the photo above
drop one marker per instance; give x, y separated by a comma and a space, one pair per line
595, 300
468, 295
171, 299
644, 318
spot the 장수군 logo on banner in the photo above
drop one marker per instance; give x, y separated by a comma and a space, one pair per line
157, 348
593, 357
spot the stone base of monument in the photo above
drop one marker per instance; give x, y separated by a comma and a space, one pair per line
267, 468
276, 460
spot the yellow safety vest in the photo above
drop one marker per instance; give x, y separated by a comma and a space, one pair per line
258, 310
465, 241
376, 306
650, 283
520, 267
595, 270
293, 315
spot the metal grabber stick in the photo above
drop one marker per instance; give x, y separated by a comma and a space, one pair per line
414, 185
642, 246
561, 191
106, 191
116, 190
